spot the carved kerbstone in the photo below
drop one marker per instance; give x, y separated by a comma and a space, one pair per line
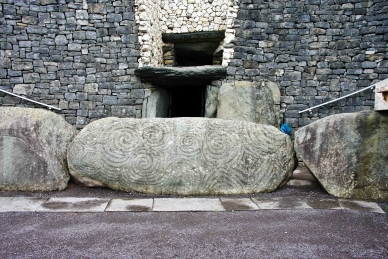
184, 156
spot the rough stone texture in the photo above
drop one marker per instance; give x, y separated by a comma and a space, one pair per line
249, 101
180, 76
347, 153
33, 146
175, 16
76, 55
381, 96
211, 97
315, 50
156, 105
184, 156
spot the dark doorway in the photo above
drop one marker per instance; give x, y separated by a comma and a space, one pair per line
187, 102
195, 54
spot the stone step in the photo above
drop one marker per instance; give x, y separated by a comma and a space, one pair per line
302, 177
82, 205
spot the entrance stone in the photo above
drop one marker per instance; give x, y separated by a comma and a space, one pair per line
33, 144
347, 153
250, 101
183, 156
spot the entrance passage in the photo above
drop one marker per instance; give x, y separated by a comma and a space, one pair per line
187, 102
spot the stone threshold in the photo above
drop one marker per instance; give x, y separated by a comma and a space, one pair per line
69, 204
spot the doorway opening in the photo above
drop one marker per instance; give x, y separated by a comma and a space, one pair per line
187, 102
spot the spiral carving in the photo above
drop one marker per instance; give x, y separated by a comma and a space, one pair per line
221, 147
180, 156
154, 135
190, 144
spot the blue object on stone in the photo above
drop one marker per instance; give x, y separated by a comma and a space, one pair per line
285, 128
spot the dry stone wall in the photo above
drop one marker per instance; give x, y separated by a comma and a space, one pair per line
317, 50
77, 55
156, 17
80, 55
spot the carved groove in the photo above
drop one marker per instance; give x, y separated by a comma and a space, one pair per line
182, 156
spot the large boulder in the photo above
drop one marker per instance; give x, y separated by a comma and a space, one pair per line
184, 156
347, 153
250, 101
33, 144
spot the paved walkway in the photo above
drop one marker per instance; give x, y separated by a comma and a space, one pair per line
68, 204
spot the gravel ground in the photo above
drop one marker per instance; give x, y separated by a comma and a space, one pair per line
245, 234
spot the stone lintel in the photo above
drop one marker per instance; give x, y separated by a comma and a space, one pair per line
194, 36
169, 77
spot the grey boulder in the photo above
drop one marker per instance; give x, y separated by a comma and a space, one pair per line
183, 156
347, 153
33, 145
250, 101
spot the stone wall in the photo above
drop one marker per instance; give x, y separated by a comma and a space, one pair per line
156, 17
80, 55
77, 55
317, 50
150, 33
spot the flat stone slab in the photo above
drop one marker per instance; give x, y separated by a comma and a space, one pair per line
188, 204
28, 204
298, 182
231, 204
20, 204
74, 205
130, 205
180, 76
324, 204
363, 206
281, 203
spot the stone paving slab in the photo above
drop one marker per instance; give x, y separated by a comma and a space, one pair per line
20, 204
28, 204
231, 204
281, 203
187, 204
130, 205
360, 206
74, 205
324, 204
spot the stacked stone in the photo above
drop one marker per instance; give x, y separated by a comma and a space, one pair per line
149, 33
169, 55
165, 16
194, 15
79, 57
316, 50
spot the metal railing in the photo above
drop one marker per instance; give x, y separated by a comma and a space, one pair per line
340, 98
33, 101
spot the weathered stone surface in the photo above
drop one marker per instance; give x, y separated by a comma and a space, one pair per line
250, 101
211, 101
156, 105
33, 145
180, 76
347, 153
381, 96
184, 156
